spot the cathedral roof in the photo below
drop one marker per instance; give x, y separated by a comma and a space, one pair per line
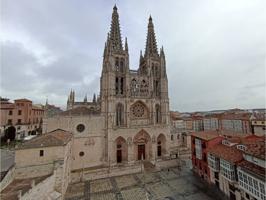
79, 111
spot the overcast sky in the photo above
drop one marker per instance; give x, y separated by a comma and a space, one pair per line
215, 49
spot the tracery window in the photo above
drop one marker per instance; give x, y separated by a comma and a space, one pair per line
157, 114
144, 88
138, 110
117, 64
119, 85
134, 87
119, 115
157, 88
122, 65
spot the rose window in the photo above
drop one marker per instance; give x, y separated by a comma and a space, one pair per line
138, 110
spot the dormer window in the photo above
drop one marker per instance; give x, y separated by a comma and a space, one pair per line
226, 142
241, 147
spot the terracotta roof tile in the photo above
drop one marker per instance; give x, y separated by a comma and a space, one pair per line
230, 154
57, 137
206, 135
256, 149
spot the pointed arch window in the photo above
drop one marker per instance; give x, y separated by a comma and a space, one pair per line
122, 63
134, 87
157, 114
119, 115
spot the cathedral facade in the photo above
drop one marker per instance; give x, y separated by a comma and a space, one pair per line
130, 119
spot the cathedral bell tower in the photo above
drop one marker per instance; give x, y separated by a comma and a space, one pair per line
115, 66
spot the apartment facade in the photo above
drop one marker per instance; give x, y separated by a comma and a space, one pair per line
210, 123
258, 124
25, 117
201, 142
251, 172
237, 167
239, 123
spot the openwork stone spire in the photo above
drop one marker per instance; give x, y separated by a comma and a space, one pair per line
151, 45
115, 35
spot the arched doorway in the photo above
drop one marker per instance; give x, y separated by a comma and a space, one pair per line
121, 150
161, 145
142, 145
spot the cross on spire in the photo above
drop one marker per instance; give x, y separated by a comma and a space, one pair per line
151, 44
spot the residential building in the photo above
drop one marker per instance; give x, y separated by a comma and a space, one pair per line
222, 161
251, 171
198, 124
236, 122
200, 144
210, 123
25, 117
230, 160
258, 124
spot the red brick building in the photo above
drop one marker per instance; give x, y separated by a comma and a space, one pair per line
25, 117
200, 144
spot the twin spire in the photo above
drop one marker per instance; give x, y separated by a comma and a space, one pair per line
151, 44
114, 41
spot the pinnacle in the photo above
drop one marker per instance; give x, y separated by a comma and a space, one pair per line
115, 8
151, 45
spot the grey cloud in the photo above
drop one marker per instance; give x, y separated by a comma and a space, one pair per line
214, 49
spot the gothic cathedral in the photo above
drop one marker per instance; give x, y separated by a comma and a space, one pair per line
134, 99
129, 121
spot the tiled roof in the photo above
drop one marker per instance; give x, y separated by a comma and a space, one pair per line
240, 116
252, 168
206, 135
79, 111
230, 154
23, 100
57, 137
256, 149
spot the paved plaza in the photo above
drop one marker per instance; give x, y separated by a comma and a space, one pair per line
171, 184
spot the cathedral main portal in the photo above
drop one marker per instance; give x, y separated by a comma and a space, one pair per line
141, 151
142, 145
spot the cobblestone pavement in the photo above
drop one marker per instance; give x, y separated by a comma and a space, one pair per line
171, 184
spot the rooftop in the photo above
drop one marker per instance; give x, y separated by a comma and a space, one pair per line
57, 137
256, 149
79, 111
206, 135
230, 154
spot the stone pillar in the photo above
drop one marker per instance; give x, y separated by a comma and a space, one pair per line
112, 152
130, 150
154, 149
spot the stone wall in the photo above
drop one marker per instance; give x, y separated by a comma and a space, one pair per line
98, 173
34, 171
9, 177
30, 157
